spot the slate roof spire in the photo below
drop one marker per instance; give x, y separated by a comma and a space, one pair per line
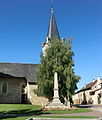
53, 30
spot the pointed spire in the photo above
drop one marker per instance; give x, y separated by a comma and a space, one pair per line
53, 30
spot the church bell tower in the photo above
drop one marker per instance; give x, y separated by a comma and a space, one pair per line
52, 31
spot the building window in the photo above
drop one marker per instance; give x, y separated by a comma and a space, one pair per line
92, 93
4, 87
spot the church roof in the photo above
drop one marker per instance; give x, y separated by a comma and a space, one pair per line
53, 30
3, 75
27, 71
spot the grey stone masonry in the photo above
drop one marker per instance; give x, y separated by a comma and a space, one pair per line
14, 90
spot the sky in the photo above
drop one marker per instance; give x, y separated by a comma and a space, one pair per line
24, 25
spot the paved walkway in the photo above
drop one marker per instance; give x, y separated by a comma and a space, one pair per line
60, 119
94, 113
97, 109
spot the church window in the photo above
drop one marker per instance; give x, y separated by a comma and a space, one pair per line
4, 87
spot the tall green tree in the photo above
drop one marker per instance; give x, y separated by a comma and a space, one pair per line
58, 58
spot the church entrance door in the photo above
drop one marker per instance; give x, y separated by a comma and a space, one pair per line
23, 98
23, 95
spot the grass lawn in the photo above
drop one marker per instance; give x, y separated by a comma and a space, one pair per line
26, 109
24, 118
34, 109
19, 109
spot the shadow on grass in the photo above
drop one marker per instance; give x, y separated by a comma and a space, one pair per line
21, 113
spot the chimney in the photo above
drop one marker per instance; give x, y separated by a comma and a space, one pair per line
93, 80
98, 81
98, 78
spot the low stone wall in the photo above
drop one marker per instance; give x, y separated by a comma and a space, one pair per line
33, 98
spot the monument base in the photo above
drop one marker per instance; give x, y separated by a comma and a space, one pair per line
56, 104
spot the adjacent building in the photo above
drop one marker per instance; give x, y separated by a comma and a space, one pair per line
91, 93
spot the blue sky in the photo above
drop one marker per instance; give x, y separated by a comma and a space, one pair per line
24, 25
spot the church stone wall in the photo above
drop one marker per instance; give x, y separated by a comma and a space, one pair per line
33, 98
13, 94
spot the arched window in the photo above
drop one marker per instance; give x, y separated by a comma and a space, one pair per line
4, 87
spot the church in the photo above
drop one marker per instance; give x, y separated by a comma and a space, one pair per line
18, 81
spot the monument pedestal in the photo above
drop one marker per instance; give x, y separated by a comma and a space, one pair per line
56, 103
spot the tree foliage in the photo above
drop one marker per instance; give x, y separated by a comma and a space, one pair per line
58, 58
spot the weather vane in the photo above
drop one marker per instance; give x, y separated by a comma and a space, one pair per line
52, 5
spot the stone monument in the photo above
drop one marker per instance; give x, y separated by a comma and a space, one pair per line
56, 103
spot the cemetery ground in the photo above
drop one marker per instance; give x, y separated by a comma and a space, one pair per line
24, 111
